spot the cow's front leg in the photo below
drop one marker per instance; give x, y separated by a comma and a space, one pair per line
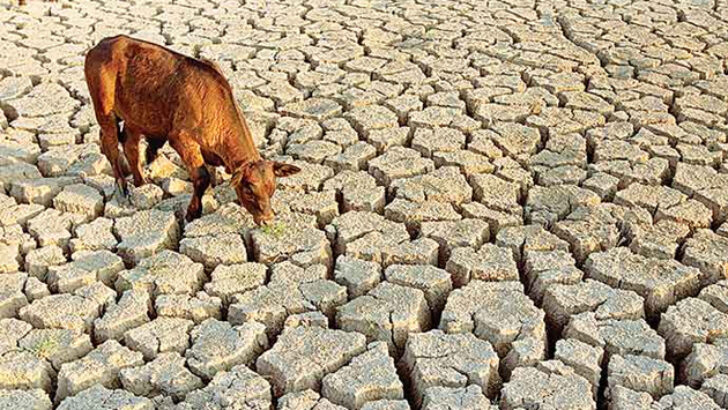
109, 131
190, 153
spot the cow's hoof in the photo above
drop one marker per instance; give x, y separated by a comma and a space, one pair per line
141, 181
193, 214
123, 188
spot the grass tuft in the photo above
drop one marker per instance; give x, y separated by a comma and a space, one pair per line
276, 229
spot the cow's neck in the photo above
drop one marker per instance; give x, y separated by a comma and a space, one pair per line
239, 147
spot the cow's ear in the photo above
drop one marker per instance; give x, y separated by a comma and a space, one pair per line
281, 169
237, 176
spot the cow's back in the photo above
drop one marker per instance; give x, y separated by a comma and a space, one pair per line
161, 93
152, 84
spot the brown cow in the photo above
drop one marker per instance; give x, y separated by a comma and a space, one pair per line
166, 96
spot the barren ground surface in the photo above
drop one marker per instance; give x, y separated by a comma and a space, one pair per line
503, 204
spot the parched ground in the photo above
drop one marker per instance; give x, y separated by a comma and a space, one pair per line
503, 204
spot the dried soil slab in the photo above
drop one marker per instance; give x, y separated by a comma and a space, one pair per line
561, 302
63, 311
164, 273
445, 184
554, 203
651, 198
39, 191
39, 260
80, 199
307, 399
642, 374
218, 346
165, 375
454, 234
615, 336
717, 388
197, 308
708, 252
159, 336
298, 239
436, 359
371, 376
302, 356
57, 346
544, 269
363, 234
43, 100
12, 298
690, 212
313, 108
691, 321
399, 162
85, 269
684, 397
388, 313
387, 405
99, 397
434, 282
534, 238
716, 295
586, 360
466, 398
239, 386
131, 311
532, 387
100, 366
502, 314
429, 141
292, 290
489, 263
588, 230
310, 179
660, 240
228, 219
20, 214
469, 162
367, 118
383, 139
660, 282
146, 233
25, 370
413, 214
496, 193
622, 398
227, 280
35, 399
212, 251
322, 205
704, 361
358, 191
53, 227
358, 276
10, 259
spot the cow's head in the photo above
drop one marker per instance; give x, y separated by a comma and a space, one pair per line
255, 183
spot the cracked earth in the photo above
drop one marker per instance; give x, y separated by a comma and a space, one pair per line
506, 204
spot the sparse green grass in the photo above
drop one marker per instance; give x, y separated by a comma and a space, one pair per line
44, 348
276, 229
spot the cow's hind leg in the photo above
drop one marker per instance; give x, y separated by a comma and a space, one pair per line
131, 150
191, 154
